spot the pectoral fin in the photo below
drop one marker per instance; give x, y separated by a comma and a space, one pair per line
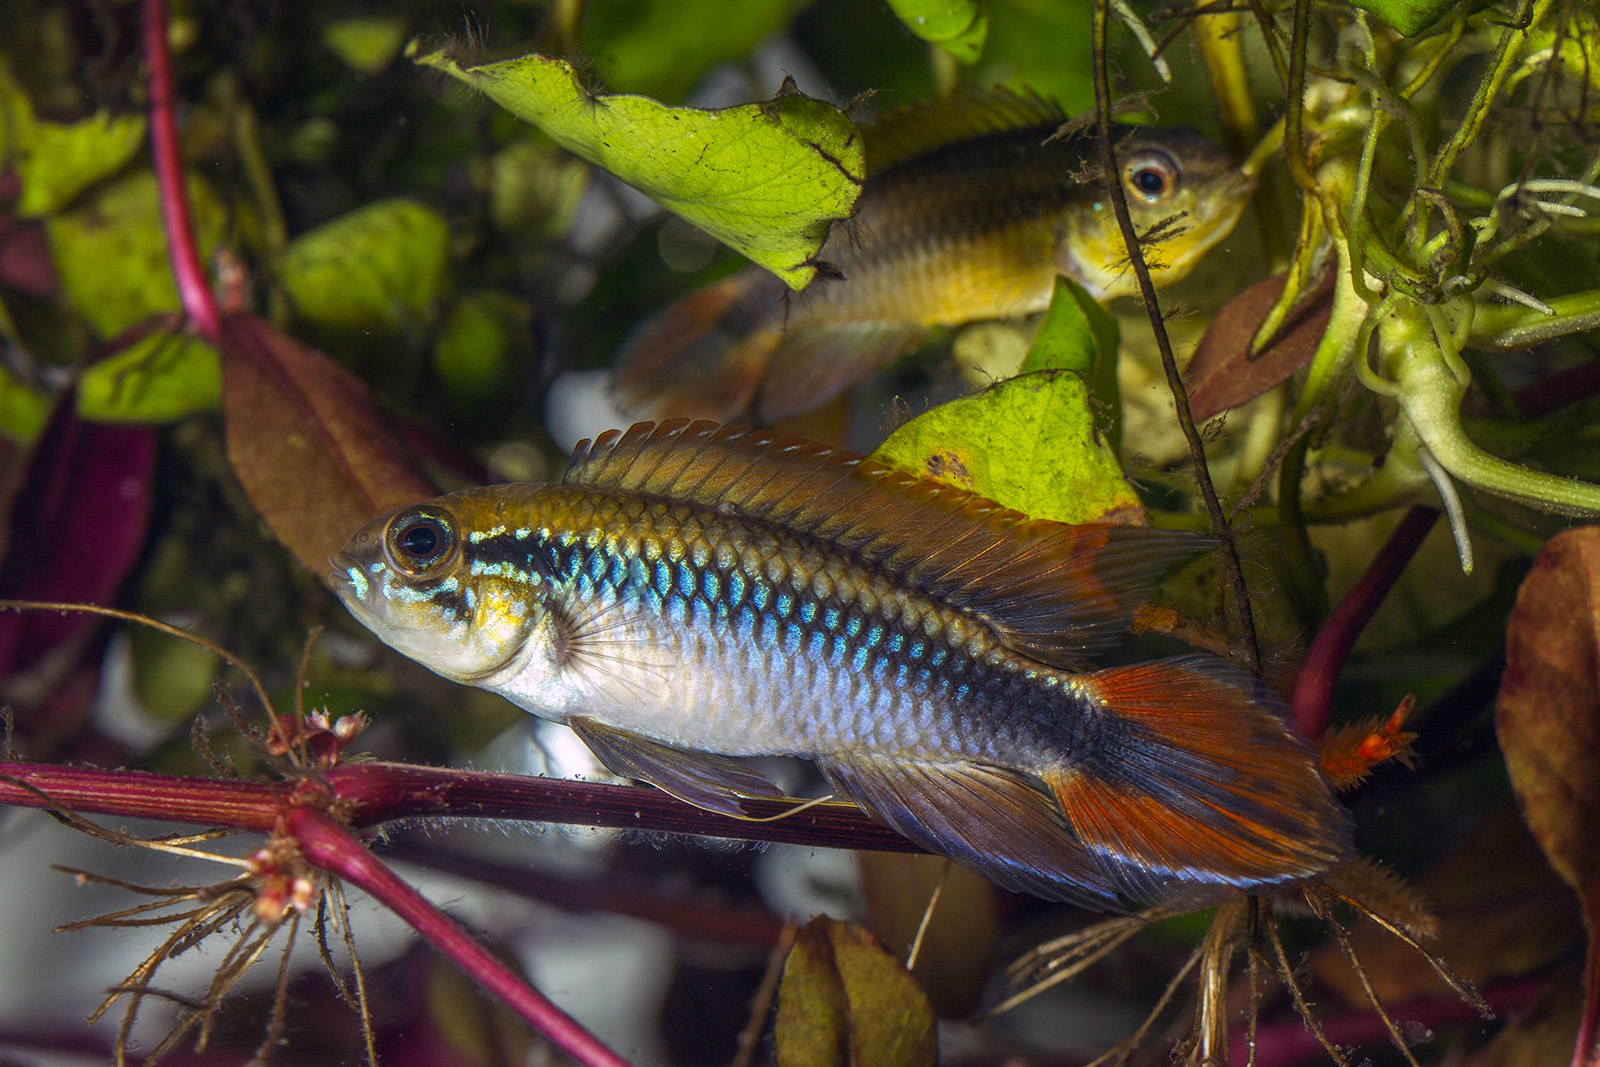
699, 778
999, 823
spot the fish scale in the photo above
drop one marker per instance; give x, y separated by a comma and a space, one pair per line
871, 664
692, 592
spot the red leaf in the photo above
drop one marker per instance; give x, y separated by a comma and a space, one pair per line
1548, 719
307, 439
1223, 375
25, 261
78, 526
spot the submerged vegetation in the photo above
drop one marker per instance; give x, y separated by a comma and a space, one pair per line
265, 276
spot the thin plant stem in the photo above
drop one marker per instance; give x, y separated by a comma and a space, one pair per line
183, 249
1313, 690
333, 848
1180, 397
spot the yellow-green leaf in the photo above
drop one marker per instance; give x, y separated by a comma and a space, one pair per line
1029, 443
957, 26
111, 251
160, 378
16, 115
23, 411
366, 44
374, 267
766, 179
845, 1002
66, 158
472, 355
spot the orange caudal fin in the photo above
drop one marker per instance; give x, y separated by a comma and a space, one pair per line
1195, 786
706, 355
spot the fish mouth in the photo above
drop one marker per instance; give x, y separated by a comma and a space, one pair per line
343, 580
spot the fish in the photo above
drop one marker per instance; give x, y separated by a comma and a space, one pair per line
971, 207
690, 593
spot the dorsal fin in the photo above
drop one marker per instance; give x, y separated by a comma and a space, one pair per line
920, 127
1049, 590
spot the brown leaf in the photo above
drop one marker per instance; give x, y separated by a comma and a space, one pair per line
845, 1002
957, 953
1548, 720
307, 440
1223, 374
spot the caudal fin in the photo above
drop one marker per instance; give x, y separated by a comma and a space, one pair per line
1196, 786
706, 355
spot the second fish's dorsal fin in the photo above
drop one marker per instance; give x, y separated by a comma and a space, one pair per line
1048, 590
918, 128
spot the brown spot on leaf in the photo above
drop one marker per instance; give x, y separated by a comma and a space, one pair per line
948, 467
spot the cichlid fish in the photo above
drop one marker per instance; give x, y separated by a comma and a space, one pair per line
690, 592
971, 208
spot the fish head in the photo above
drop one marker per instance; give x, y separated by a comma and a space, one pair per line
1184, 195
406, 577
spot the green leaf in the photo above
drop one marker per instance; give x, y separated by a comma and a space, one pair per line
1410, 17
65, 159
1076, 333
22, 410
957, 26
1042, 47
535, 190
162, 377
378, 266
111, 251
16, 115
474, 347
845, 1002
171, 677
368, 44
1029, 443
663, 47
766, 179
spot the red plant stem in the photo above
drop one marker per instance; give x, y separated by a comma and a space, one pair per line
333, 848
373, 793
1313, 689
194, 289
1289, 1042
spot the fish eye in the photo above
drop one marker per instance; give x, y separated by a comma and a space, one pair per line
1152, 176
420, 540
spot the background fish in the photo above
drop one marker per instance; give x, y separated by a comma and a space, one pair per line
691, 592
971, 208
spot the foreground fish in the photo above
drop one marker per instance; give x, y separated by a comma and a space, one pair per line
691, 591
971, 209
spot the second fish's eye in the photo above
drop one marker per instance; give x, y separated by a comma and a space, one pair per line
1152, 176
420, 541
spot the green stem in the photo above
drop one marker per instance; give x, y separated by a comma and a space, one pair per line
1430, 396
1512, 327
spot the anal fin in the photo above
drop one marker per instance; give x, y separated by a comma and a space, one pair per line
714, 783
1000, 823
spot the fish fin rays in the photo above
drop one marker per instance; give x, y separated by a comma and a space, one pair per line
714, 783
815, 363
1207, 791
707, 353
997, 822
1050, 591
922, 127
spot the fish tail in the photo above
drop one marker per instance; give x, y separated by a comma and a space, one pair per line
705, 355
1193, 784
